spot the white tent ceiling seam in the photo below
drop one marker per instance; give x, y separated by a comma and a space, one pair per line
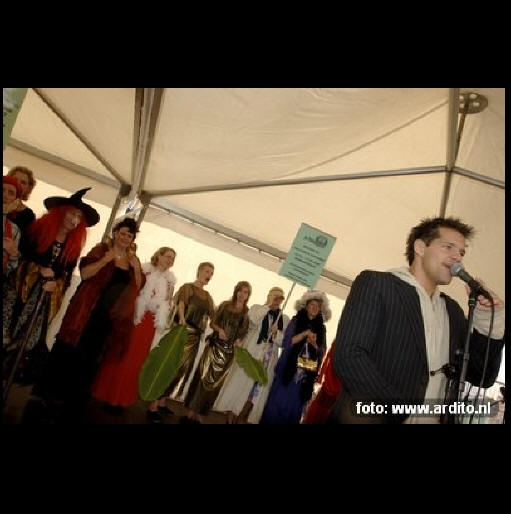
79, 135
242, 239
254, 140
326, 178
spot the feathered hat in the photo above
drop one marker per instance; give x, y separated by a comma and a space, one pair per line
315, 294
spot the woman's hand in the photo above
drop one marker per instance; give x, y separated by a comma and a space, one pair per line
47, 272
238, 342
50, 286
109, 256
301, 336
312, 340
308, 334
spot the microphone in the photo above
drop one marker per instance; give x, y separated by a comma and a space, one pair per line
449, 370
457, 270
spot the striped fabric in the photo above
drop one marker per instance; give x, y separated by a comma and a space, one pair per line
381, 349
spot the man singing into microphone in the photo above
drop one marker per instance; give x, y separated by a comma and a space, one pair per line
397, 330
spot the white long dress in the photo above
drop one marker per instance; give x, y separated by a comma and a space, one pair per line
238, 385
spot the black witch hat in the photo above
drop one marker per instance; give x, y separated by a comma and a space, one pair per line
90, 214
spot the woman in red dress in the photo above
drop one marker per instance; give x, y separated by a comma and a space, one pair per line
117, 380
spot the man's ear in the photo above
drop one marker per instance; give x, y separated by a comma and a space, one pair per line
419, 246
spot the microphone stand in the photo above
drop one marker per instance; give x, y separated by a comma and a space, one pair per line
472, 300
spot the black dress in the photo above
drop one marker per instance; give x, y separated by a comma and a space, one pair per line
71, 370
22, 218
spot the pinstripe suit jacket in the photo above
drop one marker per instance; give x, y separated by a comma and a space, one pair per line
381, 348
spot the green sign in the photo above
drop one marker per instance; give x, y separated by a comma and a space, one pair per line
13, 98
307, 257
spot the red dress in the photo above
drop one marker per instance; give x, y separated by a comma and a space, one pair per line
117, 379
331, 385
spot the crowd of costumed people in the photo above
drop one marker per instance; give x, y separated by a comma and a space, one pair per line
395, 328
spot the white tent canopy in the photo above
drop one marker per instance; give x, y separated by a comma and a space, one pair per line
363, 164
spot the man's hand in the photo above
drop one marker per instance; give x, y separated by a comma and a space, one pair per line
482, 302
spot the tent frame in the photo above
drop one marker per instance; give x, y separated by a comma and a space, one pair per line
148, 103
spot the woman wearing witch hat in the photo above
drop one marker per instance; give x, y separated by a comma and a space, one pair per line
51, 250
99, 318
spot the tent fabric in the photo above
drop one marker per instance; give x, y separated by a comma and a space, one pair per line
217, 136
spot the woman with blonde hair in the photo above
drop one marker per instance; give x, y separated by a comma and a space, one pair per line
117, 379
230, 326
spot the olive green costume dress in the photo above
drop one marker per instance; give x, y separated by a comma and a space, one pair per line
217, 358
198, 307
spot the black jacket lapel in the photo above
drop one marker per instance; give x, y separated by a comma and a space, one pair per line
411, 305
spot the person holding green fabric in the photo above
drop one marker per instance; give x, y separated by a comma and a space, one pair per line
241, 398
194, 307
230, 326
